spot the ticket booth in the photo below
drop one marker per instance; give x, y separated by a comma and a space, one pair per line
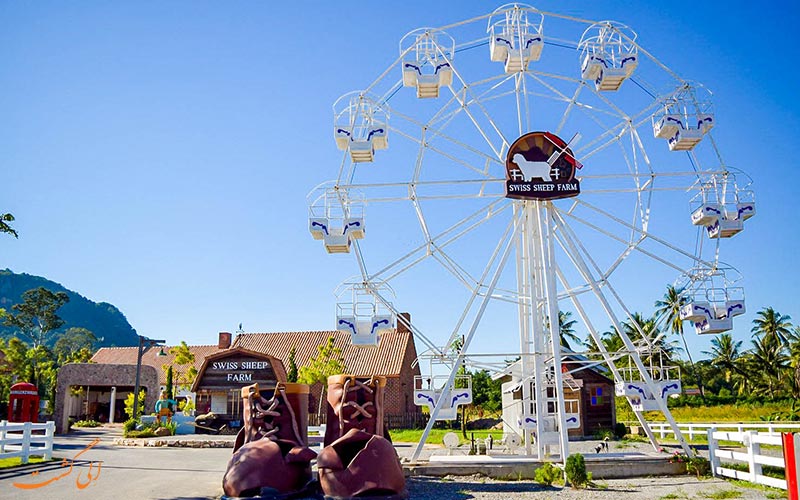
23, 404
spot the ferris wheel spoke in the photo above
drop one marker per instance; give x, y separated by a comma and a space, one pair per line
642, 236
568, 110
442, 240
593, 333
435, 132
612, 134
506, 240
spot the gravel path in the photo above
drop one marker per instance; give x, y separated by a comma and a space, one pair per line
645, 488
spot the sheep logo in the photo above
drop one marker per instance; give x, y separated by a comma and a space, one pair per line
540, 166
532, 169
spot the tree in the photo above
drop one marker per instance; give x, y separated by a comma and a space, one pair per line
768, 362
183, 357
669, 307
771, 323
794, 357
328, 362
566, 329
291, 375
140, 403
486, 393
73, 344
36, 317
725, 354
5, 227
168, 388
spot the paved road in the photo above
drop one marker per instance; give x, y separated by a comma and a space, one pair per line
196, 473
126, 473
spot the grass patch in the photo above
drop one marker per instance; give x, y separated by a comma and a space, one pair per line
87, 423
745, 412
672, 496
436, 435
6, 463
769, 492
720, 494
767, 470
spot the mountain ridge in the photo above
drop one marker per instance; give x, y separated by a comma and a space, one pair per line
104, 319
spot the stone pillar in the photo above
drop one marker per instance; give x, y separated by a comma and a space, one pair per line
113, 405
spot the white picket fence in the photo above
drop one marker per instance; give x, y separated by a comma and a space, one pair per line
689, 430
18, 440
752, 441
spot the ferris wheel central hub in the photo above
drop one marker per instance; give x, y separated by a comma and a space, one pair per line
541, 166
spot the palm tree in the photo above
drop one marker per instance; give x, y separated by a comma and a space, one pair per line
794, 360
725, 354
566, 329
669, 307
771, 323
769, 361
5, 227
611, 343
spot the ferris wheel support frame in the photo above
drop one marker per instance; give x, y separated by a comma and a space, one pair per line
467, 339
583, 269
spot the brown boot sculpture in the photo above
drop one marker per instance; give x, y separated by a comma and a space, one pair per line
357, 461
271, 458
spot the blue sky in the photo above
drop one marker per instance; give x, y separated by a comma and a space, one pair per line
157, 155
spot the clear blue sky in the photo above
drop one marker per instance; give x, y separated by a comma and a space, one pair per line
157, 155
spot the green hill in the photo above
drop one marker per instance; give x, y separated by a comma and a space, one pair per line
102, 318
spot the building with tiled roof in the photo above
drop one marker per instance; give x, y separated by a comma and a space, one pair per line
392, 357
151, 357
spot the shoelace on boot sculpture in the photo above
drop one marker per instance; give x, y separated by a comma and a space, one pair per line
271, 459
370, 387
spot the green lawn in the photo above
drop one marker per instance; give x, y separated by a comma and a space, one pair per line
5, 463
720, 413
414, 435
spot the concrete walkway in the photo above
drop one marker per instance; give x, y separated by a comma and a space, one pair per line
95, 468
125, 473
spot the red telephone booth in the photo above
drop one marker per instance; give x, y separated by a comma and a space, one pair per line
23, 404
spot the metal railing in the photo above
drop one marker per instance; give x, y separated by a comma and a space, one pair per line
18, 440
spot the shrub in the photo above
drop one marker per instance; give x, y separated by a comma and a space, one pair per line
144, 433
87, 423
698, 465
172, 426
576, 470
604, 433
620, 430
129, 425
547, 474
140, 403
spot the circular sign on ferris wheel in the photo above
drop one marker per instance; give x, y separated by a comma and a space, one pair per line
540, 166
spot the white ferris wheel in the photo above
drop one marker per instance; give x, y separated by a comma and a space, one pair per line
515, 166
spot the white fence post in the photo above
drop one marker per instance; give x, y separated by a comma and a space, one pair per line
49, 433
3, 426
753, 449
26, 442
712, 451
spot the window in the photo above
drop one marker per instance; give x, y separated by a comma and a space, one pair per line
597, 396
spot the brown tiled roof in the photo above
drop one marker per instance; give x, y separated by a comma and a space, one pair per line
127, 356
385, 359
